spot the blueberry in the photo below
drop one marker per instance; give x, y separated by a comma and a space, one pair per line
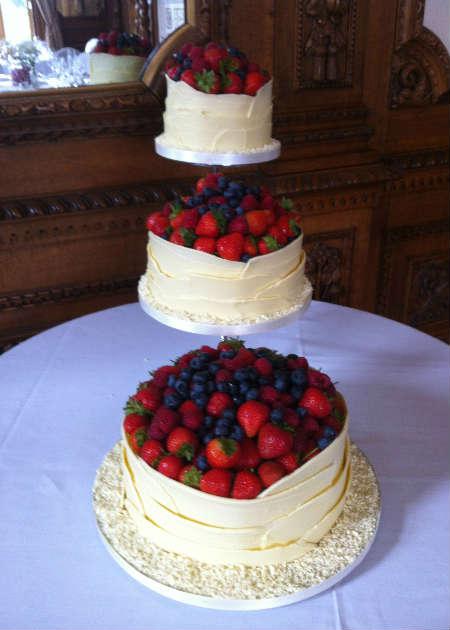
280, 384
222, 386
198, 388
222, 182
245, 258
328, 432
220, 431
235, 186
210, 387
229, 414
182, 388
200, 400
205, 356
171, 380
264, 381
244, 387
299, 376
241, 73
187, 62
252, 394
297, 392
302, 412
228, 193
233, 51
213, 206
234, 202
239, 211
208, 437
197, 200
224, 423
323, 443
227, 354
292, 356
202, 209
213, 368
201, 376
173, 401
237, 433
253, 374
254, 190
179, 57
229, 214
209, 192
240, 374
276, 415
208, 421
185, 375
196, 363
202, 463
238, 400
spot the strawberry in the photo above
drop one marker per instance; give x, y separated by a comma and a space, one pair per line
174, 72
188, 407
213, 55
112, 38
223, 453
211, 224
315, 402
192, 421
188, 76
205, 244
190, 476
208, 81
243, 358
333, 423
216, 481
170, 466
164, 420
158, 223
267, 201
250, 246
133, 421
257, 222
310, 425
199, 64
270, 472
291, 418
232, 83
151, 451
182, 442
183, 236
298, 362
270, 216
274, 441
114, 50
137, 438
249, 202
278, 234
286, 399
263, 366
218, 402
290, 461
318, 379
238, 224
288, 226
269, 394
196, 52
311, 450
267, 245
186, 49
253, 67
253, 82
149, 397
250, 457
223, 375
252, 415
246, 485
231, 246
189, 218
213, 352
100, 48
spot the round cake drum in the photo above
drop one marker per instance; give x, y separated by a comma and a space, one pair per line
210, 328
265, 154
239, 587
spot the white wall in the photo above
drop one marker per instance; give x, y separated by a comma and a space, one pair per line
437, 19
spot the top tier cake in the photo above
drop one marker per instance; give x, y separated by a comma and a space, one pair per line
217, 101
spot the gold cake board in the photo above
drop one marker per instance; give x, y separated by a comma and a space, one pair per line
239, 587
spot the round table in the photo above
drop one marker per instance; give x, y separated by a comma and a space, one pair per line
61, 399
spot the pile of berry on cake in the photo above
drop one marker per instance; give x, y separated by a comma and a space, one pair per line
116, 43
227, 218
232, 420
216, 69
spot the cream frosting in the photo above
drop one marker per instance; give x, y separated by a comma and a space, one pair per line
197, 121
106, 68
282, 523
207, 287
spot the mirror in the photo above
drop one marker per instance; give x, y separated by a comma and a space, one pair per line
70, 43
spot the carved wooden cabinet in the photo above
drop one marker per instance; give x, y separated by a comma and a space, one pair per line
361, 108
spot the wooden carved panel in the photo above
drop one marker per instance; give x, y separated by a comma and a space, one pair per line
329, 263
325, 42
414, 279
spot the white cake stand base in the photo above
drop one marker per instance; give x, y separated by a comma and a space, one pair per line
237, 587
211, 158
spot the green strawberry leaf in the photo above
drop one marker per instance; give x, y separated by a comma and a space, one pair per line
234, 342
192, 478
134, 406
205, 80
271, 243
177, 208
294, 227
287, 204
221, 221
338, 415
189, 236
228, 445
186, 451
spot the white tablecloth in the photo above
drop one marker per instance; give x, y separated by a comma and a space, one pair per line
61, 400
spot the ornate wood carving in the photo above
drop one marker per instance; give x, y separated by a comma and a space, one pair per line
420, 71
429, 297
77, 113
141, 18
325, 43
38, 297
328, 267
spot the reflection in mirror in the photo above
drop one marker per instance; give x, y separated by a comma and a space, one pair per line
69, 43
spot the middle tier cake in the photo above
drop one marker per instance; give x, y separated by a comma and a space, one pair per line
228, 254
